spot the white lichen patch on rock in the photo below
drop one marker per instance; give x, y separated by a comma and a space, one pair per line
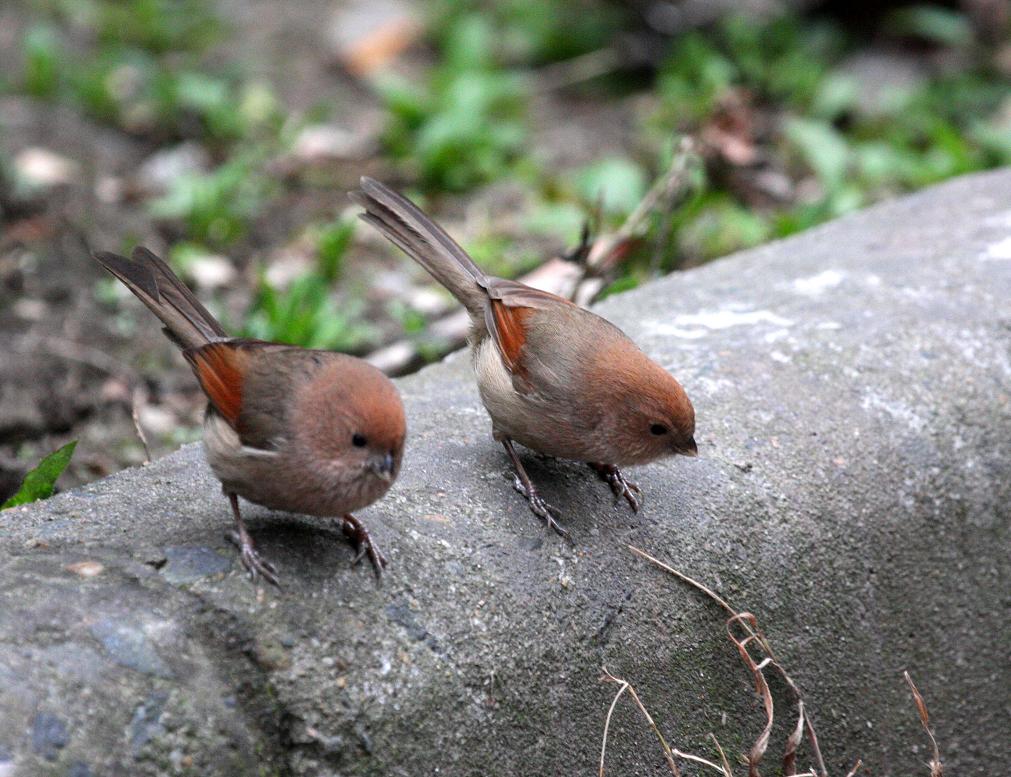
1000, 250
814, 285
692, 326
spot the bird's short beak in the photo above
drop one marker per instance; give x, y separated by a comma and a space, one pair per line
383, 465
691, 449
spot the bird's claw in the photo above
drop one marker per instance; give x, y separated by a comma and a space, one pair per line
255, 564
539, 507
621, 486
365, 546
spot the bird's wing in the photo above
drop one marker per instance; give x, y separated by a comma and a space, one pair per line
250, 384
509, 316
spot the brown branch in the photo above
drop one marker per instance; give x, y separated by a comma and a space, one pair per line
608, 251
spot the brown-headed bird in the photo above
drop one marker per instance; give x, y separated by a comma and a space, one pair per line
289, 428
553, 376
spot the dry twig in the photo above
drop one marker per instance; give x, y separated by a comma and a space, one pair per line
607, 723
670, 753
723, 756
138, 400
667, 751
790, 754
608, 251
921, 707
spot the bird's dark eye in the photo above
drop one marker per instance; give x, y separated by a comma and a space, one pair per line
358, 440
658, 429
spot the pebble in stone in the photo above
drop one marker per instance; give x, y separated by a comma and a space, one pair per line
6, 762
49, 735
146, 723
187, 564
128, 646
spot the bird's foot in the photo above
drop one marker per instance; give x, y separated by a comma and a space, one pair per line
620, 485
255, 564
355, 531
539, 507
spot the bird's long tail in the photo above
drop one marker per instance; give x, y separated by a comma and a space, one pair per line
407, 227
187, 322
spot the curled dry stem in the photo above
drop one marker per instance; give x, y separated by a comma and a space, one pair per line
748, 623
761, 685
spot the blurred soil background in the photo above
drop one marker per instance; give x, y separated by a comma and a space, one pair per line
224, 135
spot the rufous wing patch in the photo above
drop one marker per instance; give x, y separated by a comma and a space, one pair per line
510, 333
220, 368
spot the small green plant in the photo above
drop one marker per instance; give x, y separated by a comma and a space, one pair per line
158, 26
615, 185
216, 208
331, 246
145, 71
304, 314
532, 32
464, 126
42, 55
40, 482
783, 74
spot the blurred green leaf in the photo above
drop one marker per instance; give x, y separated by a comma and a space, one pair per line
304, 314
158, 26
933, 23
617, 183
720, 226
834, 96
559, 220
42, 54
40, 482
333, 242
217, 207
694, 78
622, 284
822, 147
464, 125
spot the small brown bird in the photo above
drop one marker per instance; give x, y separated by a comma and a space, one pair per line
553, 376
288, 428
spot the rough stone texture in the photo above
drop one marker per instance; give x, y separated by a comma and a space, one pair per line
852, 387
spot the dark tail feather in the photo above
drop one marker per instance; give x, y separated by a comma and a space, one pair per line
407, 227
187, 322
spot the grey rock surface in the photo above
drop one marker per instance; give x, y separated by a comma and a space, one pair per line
853, 389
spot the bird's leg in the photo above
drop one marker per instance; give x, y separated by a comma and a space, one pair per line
251, 558
355, 531
619, 485
523, 484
